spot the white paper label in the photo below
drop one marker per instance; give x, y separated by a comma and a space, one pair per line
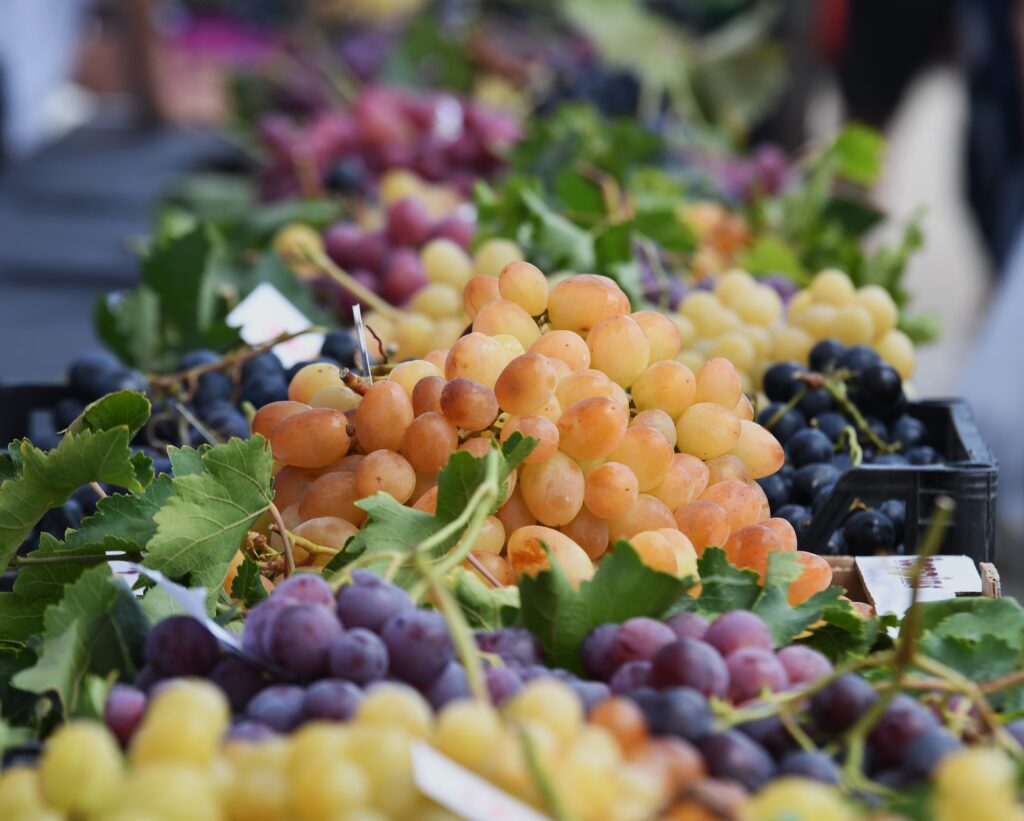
266, 314
887, 580
463, 792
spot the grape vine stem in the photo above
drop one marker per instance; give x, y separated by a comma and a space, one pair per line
289, 557
318, 258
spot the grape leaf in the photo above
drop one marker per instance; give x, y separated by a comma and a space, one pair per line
47, 479
201, 525
623, 587
247, 587
128, 408
859, 151
392, 529
98, 627
482, 605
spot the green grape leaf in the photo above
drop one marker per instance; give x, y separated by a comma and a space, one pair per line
580, 196
483, 606
843, 633
860, 151
972, 618
247, 587
97, 628
663, 226
128, 408
19, 620
773, 255
129, 324
200, 527
623, 587
392, 530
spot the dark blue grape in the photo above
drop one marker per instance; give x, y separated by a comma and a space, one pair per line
682, 712
121, 379
858, 358
896, 512
810, 479
780, 381
279, 707
370, 601
346, 176
816, 401
813, 765
903, 721
419, 646
228, 423
358, 655
737, 757
66, 411
889, 459
877, 387
181, 646
832, 424
923, 754
211, 387
239, 680
878, 426
821, 497
868, 531
786, 426
264, 388
198, 358
798, 516
331, 699
908, 431
837, 707
770, 733
91, 370
807, 447
452, 684
776, 490
341, 346
502, 683
836, 544
513, 644
922, 455
266, 364
825, 354
842, 462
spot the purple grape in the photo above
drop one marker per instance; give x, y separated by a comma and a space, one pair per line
688, 626
344, 298
734, 756
770, 733
370, 601
147, 678
181, 646
332, 699
803, 665
452, 684
513, 644
691, 663
458, 230
370, 253
239, 680
597, 652
299, 638
408, 223
639, 639
123, 710
256, 623
502, 683
305, 588
903, 721
813, 765
591, 693
753, 670
418, 645
838, 706
630, 675
341, 242
249, 730
403, 276
736, 629
279, 707
358, 655
679, 711
1016, 729
924, 753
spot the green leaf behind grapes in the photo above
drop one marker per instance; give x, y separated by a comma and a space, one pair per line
247, 587
128, 408
561, 615
482, 605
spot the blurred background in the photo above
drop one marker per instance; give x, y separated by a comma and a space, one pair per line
118, 115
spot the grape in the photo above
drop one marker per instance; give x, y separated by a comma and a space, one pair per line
705, 523
527, 555
384, 470
553, 490
80, 770
771, 733
589, 532
326, 531
726, 468
741, 502
336, 397
333, 494
783, 530
629, 676
749, 547
359, 656
736, 629
813, 765
403, 276
639, 639
924, 754
370, 601
479, 291
514, 644
619, 348
534, 427
624, 720
896, 348
305, 588
268, 416
718, 382
256, 623
659, 421
647, 453
478, 357
803, 665
662, 335
681, 712
815, 576
451, 685
494, 564
310, 379
298, 639
504, 317
491, 538
706, 430
688, 625
239, 680
383, 416
581, 302
426, 395
279, 707
312, 439
610, 490
123, 711
591, 428
690, 663
408, 223
331, 700
903, 721
90, 369
565, 346
838, 706
646, 513
752, 670
596, 652
585, 384
867, 532
734, 756
590, 693
418, 645
758, 450
446, 263
525, 285
493, 255
526, 384
469, 405
181, 646
655, 550
502, 683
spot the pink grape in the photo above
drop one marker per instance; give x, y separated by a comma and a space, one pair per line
752, 670
403, 276
738, 628
408, 223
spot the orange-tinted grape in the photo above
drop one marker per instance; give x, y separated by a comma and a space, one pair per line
496, 565
611, 490
536, 427
646, 513
647, 453
566, 346
705, 524
580, 302
741, 503
514, 513
678, 764
267, 417
721, 468
654, 550
718, 382
668, 385
478, 357
469, 405
387, 471
623, 719
784, 530
327, 531
428, 501
428, 442
759, 450
526, 553
333, 494
589, 532
408, 374
526, 384
591, 428
553, 490
383, 416
699, 473
682, 547
290, 483
815, 577
505, 317
491, 538
426, 396
525, 285
584, 384
311, 439
619, 348
706, 430
479, 291
661, 332
311, 379
657, 419
676, 489
749, 547
744, 409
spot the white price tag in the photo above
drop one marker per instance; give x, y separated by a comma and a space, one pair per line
265, 314
887, 580
463, 792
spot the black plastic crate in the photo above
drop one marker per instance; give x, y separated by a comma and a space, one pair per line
27, 410
969, 476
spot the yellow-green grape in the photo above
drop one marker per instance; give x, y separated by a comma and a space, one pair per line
897, 349
687, 330
800, 302
338, 397
81, 768
732, 285
977, 783
737, 347
659, 420
184, 723
399, 183
505, 317
685, 552
661, 332
760, 338
21, 796
311, 379
792, 343
706, 430
491, 538
383, 754
444, 262
326, 788
467, 731
619, 348
296, 242
407, 374
493, 255
880, 305
437, 300
552, 704
580, 302
525, 285
257, 793
853, 325
832, 287
718, 382
395, 705
413, 334
819, 320
170, 791
513, 347
478, 357
798, 799
760, 305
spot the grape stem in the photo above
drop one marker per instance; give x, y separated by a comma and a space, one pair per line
483, 571
289, 557
548, 793
850, 436
190, 417
98, 558
98, 489
355, 383
837, 390
349, 283
306, 544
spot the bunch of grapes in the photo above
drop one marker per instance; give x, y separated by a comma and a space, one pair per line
440, 137
671, 466
749, 323
822, 439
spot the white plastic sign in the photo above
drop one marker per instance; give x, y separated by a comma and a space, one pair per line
267, 314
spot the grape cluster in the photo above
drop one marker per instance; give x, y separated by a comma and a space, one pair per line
440, 137
822, 438
670, 466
